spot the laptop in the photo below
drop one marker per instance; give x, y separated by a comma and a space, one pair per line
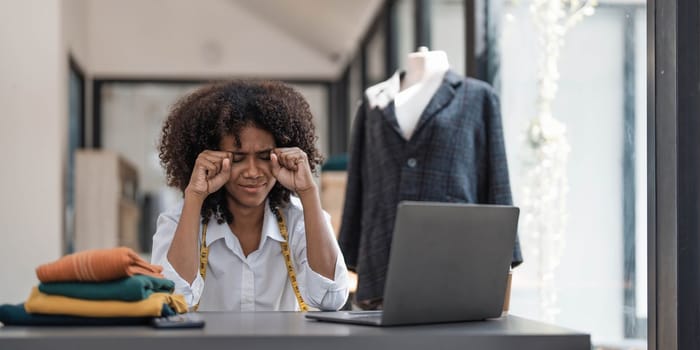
449, 262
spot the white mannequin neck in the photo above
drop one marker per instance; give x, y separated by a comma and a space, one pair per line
425, 71
424, 65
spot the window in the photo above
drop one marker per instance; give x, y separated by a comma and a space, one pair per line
588, 274
447, 32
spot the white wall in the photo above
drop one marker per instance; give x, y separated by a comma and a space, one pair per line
33, 96
204, 38
74, 17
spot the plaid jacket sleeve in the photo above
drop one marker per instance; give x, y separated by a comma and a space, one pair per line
498, 188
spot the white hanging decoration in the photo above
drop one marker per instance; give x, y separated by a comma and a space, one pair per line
545, 185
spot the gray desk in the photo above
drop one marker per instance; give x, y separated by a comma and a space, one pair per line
285, 331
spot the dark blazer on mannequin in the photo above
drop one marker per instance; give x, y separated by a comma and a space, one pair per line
456, 154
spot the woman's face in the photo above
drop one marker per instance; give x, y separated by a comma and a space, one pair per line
251, 170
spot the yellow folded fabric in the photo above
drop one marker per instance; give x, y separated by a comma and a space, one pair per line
40, 303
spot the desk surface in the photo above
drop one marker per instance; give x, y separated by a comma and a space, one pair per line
288, 330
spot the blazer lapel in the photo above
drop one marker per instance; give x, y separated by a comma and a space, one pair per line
389, 115
442, 98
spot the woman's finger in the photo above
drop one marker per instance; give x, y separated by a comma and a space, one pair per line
214, 160
218, 154
209, 167
222, 177
275, 161
291, 157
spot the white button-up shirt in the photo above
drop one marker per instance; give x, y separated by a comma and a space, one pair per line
258, 282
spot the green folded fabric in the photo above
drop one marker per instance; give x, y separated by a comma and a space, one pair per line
132, 288
15, 315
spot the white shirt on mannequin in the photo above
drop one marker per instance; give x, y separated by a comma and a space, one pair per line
424, 73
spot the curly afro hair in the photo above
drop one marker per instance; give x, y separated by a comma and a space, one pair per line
198, 121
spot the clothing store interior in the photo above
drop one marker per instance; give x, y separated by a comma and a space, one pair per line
566, 128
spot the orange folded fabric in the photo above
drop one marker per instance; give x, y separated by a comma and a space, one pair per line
97, 266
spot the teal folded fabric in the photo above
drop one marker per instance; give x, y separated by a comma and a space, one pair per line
15, 315
134, 288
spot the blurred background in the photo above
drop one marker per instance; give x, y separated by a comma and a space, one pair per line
85, 86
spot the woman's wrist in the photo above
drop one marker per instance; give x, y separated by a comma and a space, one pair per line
308, 193
194, 197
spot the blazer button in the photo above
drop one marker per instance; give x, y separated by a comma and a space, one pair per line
412, 162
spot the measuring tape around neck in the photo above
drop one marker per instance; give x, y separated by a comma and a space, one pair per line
204, 258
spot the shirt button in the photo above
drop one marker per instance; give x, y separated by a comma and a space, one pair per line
411, 162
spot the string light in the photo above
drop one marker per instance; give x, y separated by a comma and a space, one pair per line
545, 188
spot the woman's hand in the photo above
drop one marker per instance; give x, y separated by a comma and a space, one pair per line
290, 166
212, 170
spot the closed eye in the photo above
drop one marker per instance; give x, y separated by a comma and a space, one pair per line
262, 155
237, 158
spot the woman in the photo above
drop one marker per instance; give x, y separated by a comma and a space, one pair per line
238, 241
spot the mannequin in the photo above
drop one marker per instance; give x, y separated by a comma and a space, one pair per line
424, 73
426, 134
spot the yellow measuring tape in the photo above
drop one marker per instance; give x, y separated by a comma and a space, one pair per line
204, 259
288, 260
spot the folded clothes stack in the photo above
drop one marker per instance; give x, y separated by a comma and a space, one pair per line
97, 287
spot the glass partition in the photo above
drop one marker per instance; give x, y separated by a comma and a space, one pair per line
575, 127
448, 31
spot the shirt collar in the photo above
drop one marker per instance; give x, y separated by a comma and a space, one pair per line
270, 227
381, 94
216, 231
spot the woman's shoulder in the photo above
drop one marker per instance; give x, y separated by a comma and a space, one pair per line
173, 211
294, 210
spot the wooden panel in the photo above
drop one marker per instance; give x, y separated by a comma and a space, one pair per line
106, 212
333, 195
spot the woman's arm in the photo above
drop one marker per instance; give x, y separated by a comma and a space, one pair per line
183, 254
211, 171
166, 225
321, 250
321, 292
291, 168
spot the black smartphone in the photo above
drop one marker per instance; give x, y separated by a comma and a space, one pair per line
188, 320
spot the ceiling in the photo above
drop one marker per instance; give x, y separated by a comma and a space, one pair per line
333, 28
